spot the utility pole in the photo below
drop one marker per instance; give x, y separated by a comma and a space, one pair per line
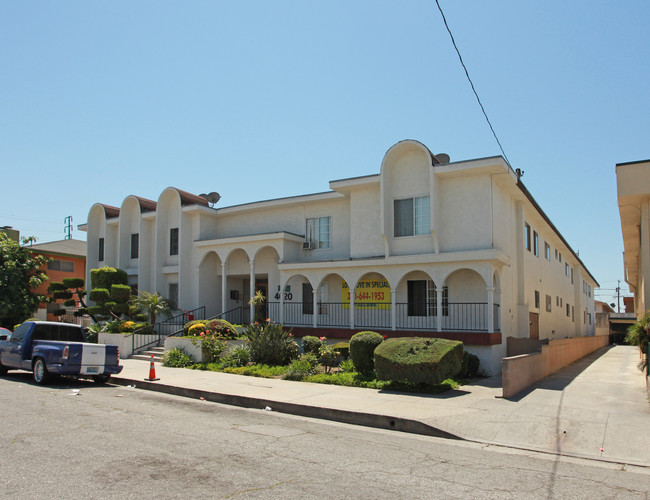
618, 295
68, 227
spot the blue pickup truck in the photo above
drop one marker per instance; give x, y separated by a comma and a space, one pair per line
48, 348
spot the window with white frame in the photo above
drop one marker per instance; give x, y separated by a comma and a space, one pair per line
318, 232
548, 303
547, 251
536, 243
411, 216
527, 236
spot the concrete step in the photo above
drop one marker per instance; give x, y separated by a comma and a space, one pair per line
147, 357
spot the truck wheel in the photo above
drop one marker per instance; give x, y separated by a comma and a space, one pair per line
101, 379
39, 371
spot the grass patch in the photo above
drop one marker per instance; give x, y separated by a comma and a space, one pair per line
355, 379
348, 379
263, 371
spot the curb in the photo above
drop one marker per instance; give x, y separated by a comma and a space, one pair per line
344, 416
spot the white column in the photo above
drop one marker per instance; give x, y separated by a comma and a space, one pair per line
315, 308
439, 308
490, 311
224, 283
251, 288
351, 308
281, 306
393, 309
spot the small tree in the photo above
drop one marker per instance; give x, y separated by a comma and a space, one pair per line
257, 301
20, 274
151, 304
73, 292
110, 292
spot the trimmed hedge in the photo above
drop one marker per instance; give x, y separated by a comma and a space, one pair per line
470, 365
418, 360
362, 348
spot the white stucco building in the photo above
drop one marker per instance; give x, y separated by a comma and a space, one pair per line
633, 189
459, 250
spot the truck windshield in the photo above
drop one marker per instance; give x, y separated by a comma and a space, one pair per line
66, 333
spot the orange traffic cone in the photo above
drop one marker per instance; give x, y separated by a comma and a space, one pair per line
152, 372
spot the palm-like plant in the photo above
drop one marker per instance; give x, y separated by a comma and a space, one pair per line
639, 334
151, 304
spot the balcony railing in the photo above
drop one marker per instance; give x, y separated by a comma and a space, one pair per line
456, 316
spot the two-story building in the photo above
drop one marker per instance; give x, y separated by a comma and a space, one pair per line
431, 248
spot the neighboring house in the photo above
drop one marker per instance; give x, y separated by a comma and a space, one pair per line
457, 250
11, 233
633, 186
68, 261
603, 312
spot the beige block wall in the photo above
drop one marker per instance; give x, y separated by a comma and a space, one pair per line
519, 372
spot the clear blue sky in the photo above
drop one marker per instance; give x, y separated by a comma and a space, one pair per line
259, 99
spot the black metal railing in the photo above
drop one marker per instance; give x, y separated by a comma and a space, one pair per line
457, 316
234, 316
152, 335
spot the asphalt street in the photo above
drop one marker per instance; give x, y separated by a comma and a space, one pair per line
75, 439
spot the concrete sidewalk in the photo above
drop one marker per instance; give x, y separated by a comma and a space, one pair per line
596, 408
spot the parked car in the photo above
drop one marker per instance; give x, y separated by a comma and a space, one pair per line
48, 348
4, 331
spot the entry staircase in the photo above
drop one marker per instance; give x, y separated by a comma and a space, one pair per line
146, 344
157, 352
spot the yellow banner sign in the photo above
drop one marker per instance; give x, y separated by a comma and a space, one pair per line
369, 294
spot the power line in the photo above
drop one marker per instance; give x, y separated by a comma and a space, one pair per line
470, 81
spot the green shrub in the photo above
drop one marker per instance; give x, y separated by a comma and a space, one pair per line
104, 277
362, 348
236, 357
99, 295
219, 327
120, 292
347, 366
418, 360
270, 344
211, 346
470, 365
177, 358
304, 366
127, 326
328, 357
258, 370
196, 329
343, 348
311, 344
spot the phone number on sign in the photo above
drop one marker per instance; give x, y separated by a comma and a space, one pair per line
378, 296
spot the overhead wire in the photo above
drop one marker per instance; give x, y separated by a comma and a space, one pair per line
453, 41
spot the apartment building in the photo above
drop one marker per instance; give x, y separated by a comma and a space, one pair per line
459, 250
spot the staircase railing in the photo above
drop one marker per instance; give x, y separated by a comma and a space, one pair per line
150, 335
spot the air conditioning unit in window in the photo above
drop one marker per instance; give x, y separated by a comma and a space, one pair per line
307, 245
